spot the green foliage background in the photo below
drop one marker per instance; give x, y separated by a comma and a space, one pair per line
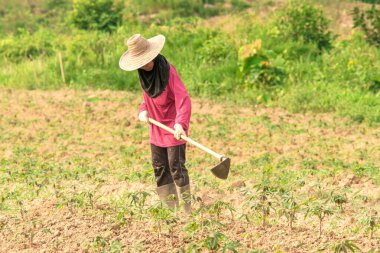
301, 65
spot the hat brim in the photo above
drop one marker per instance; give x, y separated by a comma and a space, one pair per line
128, 62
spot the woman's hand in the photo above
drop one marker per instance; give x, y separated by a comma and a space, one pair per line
143, 116
178, 131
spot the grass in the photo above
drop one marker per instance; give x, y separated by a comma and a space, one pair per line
75, 175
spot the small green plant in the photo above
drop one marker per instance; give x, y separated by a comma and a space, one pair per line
138, 199
131, 206
193, 248
260, 202
211, 225
339, 199
218, 207
289, 206
192, 228
214, 243
346, 246
321, 210
231, 247
369, 22
162, 216
371, 222
104, 244
73, 199
122, 215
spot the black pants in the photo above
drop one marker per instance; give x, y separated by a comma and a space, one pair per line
169, 165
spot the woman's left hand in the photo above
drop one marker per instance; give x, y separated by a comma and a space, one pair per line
178, 131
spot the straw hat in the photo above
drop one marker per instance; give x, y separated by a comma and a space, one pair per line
141, 51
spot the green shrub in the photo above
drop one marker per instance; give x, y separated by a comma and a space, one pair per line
369, 22
91, 59
104, 15
85, 48
252, 29
352, 64
215, 49
260, 67
305, 23
181, 49
26, 46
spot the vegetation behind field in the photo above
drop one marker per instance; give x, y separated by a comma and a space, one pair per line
291, 54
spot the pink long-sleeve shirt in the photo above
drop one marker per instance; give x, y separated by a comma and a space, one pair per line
172, 106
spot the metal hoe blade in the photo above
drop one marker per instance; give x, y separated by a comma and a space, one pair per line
222, 169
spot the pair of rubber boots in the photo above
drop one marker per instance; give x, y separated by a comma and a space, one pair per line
168, 194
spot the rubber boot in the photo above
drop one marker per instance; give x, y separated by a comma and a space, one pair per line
168, 194
186, 197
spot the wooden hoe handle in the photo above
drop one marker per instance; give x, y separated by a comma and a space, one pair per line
188, 139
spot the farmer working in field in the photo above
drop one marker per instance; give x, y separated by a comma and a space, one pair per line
166, 100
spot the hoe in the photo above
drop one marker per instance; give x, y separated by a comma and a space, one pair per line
221, 170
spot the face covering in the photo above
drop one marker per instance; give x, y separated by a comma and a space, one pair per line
154, 82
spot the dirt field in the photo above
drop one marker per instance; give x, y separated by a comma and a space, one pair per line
75, 175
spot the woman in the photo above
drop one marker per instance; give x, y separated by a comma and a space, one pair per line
166, 100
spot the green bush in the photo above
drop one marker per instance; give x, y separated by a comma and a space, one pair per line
369, 22
260, 67
104, 15
91, 59
252, 29
352, 64
305, 23
26, 46
85, 48
215, 49
200, 77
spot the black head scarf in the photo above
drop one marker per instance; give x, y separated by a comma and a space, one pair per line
154, 82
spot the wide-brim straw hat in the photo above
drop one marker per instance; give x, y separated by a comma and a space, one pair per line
141, 51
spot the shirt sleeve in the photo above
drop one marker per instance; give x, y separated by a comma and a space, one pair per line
182, 101
142, 106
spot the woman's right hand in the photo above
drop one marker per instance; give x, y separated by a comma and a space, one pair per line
143, 116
